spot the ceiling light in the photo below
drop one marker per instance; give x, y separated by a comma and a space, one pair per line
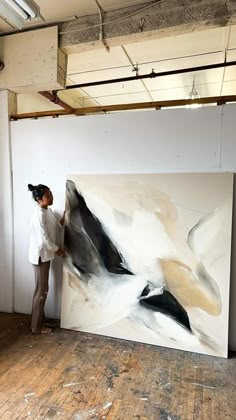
18, 12
17, 9
30, 7
193, 95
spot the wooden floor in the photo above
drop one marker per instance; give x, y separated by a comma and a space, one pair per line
72, 375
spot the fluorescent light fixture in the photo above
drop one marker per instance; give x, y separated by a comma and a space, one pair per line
16, 9
30, 7
18, 12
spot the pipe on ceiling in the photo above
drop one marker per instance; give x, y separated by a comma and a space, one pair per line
54, 98
152, 75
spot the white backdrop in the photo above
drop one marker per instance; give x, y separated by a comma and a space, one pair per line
44, 151
6, 211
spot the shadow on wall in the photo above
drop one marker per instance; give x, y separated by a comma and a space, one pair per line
232, 302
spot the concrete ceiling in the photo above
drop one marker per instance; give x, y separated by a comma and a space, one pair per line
198, 48
71, 9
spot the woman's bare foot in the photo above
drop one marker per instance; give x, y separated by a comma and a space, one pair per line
46, 330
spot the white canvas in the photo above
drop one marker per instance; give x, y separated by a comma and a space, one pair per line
148, 258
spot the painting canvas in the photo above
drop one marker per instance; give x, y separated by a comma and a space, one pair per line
148, 258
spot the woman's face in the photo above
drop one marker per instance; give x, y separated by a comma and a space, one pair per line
46, 200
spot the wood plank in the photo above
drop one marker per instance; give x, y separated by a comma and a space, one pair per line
219, 100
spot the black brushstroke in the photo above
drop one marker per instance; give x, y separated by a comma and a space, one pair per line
166, 304
79, 248
85, 239
90, 248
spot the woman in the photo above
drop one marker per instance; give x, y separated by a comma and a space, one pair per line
42, 250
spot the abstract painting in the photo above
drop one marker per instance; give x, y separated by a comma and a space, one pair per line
148, 258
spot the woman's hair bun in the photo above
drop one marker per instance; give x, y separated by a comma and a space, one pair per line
30, 187
38, 191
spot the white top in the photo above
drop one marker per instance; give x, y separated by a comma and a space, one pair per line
43, 232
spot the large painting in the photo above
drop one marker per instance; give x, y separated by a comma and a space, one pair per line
148, 258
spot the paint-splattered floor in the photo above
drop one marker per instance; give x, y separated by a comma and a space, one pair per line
73, 375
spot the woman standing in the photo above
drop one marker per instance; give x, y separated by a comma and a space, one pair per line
42, 250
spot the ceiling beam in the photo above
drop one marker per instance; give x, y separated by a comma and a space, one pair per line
38, 114
148, 21
219, 100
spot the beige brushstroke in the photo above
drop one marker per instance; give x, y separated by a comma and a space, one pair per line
184, 286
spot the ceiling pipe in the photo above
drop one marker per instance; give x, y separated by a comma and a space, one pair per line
54, 98
152, 75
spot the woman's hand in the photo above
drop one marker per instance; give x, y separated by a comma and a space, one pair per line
60, 252
62, 221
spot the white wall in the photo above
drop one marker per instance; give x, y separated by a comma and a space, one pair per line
6, 214
46, 150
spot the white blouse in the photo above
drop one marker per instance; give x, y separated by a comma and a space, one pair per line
43, 233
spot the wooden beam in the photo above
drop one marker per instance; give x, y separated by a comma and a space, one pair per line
39, 114
219, 100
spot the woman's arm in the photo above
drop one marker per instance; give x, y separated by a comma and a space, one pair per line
44, 234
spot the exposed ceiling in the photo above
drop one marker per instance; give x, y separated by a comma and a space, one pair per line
189, 50
71, 9
183, 51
